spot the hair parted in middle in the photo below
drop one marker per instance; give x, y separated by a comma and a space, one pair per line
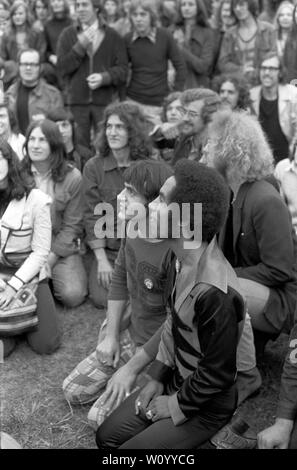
241, 85
238, 148
201, 17
197, 183
137, 127
253, 7
58, 157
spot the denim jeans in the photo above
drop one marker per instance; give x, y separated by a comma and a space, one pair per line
70, 280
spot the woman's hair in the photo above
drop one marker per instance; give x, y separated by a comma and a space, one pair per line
147, 177
292, 39
58, 158
218, 15
16, 4
201, 18
45, 3
137, 127
175, 95
20, 182
118, 13
148, 5
253, 7
196, 183
284, 4
238, 148
241, 85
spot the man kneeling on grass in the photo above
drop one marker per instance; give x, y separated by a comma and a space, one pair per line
137, 302
192, 392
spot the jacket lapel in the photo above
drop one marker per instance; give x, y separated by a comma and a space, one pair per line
237, 213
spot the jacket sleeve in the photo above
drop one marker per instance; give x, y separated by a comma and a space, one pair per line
273, 232
287, 405
92, 180
70, 52
64, 242
216, 316
40, 244
56, 100
201, 64
117, 74
176, 57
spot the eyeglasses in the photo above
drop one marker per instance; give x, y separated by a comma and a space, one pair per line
268, 69
29, 64
188, 112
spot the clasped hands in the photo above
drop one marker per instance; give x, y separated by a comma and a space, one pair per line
151, 403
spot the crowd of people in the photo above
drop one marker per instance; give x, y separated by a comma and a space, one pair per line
109, 106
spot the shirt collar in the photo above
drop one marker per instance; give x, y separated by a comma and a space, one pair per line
43, 175
109, 162
291, 167
151, 35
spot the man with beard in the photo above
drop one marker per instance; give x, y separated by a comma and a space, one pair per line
197, 107
234, 91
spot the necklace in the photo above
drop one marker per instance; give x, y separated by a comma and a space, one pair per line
247, 40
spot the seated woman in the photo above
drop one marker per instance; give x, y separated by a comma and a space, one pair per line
258, 238
123, 139
46, 160
25, 234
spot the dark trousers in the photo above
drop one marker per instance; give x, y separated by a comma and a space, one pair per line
293, 441
87, 117
125, 430
46, 338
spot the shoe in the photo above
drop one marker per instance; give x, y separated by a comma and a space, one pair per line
248, 384
235, 435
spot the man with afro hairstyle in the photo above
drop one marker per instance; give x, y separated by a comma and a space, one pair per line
191, 393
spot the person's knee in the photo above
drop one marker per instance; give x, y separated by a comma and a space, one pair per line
7, 345
70, 295
104, 437
98, 295
44, 346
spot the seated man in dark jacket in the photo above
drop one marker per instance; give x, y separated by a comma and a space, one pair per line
191, 394
92, 59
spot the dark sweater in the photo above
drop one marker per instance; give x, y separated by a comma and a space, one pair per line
149, 63
52, 31
74, 65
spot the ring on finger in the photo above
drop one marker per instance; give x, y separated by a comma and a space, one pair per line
149, 414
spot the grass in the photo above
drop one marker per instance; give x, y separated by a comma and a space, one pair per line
36, 414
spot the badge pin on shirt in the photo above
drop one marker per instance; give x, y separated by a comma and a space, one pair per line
148, 283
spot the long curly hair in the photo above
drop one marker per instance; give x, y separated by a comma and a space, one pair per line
137, 127
20, 182
58, 158
201, 17
241, 85
238, 148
